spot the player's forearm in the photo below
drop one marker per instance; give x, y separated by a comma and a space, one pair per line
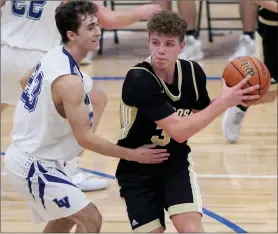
117, 20
189, 126
99, 145
196, 111
270, 5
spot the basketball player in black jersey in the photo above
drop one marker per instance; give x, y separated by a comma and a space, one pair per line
268, 31
158, 97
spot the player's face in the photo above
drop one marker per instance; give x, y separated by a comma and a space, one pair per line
164, 49
88, 34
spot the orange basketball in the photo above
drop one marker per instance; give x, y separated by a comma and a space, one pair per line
241, 67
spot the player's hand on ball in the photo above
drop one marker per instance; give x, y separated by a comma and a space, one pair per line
148, 155
146, 11
236, 95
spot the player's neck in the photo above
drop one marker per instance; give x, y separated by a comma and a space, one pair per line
77, 54
166, 74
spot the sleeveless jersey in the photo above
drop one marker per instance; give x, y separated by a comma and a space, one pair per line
39, 130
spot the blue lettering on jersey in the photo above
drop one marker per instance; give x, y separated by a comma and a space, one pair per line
32, 90
87, 99
91, 118
64, 202
19, 8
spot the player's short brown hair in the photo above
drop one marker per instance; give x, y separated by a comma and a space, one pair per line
69, 15
167, 23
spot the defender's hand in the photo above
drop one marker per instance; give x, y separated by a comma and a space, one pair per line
148, 155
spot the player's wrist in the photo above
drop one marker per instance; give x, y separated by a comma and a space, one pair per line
129, 155
221, 103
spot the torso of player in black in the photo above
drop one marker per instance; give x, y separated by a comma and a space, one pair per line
146, 98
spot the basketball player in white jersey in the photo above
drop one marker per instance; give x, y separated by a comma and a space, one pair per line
27, 32
52, 124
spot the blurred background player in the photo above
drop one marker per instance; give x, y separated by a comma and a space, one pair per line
268, 31
193, 49
28, 31
248, 14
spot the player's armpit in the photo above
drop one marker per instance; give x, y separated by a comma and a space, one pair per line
24, 80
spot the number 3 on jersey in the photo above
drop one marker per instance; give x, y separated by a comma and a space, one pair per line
34, 10
162, 138
32, 90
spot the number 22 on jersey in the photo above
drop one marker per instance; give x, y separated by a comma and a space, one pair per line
33, 10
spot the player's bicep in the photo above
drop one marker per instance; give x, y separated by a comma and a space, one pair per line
71, 92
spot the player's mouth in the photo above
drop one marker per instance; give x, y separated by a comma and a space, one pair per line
161, 59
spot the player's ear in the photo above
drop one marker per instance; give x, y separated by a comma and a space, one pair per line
71, 35
182, 45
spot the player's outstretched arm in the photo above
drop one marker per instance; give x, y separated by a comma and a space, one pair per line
183, 128
70, 91
109, 19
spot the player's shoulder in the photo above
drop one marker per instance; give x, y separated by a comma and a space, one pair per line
60, 60
188, 63
141, 76
140, 70
142, 73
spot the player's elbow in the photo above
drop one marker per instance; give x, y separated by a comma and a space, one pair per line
177, 135
180, 138
109, 22
82, 140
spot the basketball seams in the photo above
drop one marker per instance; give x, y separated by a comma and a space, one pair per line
258, 74
269, 78
240, 73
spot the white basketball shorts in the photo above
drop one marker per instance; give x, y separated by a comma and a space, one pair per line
14, 64
49, 192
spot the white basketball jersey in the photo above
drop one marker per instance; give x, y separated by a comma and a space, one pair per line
39, 130
30, 24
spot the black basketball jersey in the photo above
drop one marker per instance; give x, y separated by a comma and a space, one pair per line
147, 98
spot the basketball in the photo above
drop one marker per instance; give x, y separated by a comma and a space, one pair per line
241, 67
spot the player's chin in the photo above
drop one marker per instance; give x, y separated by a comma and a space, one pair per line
95, 45
94, 48
161, 63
